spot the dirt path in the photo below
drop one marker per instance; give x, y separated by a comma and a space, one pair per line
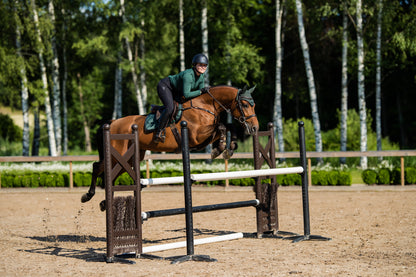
48, 232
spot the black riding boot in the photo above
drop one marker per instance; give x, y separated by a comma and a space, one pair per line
160, 132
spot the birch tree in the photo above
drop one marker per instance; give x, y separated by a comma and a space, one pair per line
118, 90
140, 103
277, 114
204, 29
378, 75
56, 107
181, 37
24, 86
361, 87
142, 60
63, 86
48, 110
344, 82
310, 77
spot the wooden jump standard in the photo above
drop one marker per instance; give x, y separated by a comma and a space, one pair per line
124, 235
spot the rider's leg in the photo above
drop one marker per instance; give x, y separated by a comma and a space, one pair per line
164, 91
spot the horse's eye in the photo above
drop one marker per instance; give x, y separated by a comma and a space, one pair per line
245, 106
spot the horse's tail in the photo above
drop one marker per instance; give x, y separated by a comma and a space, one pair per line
99, 137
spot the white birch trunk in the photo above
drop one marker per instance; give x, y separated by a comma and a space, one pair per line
204, 29
277, 114
140, 102
344, 84
56, 107
24, 89
181, 37
117, 111
361, 88
378, 76
48, 110
63, 90
142, 68
310, 77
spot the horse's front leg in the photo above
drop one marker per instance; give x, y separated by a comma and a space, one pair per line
219, 145
229, 151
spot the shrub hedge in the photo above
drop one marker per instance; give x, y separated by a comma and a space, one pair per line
83, 179
385, 176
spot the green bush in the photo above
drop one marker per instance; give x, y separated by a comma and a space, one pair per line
383, 176
35, 180
369, 176
345, 179
396, 176
333, 178
410, 175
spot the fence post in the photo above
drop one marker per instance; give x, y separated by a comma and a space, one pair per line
309, 172
402, 171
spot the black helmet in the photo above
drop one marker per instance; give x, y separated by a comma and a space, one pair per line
199, 58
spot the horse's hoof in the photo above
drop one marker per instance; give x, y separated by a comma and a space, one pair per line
86, 197
102, 206
215, 153
227, 154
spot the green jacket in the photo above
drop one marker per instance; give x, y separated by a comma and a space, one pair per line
187, 84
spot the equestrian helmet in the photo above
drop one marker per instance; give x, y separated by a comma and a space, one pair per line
199, 58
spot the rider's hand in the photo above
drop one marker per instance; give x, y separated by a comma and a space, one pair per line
204, 90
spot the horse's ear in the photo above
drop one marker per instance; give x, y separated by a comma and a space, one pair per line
252, 89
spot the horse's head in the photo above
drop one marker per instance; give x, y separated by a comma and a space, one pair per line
244, 110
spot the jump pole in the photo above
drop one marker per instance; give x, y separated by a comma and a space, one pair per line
305, 194
190, 256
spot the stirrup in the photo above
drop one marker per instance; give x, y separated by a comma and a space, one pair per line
159, 136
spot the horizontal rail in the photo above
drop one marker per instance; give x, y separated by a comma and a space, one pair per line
203, 156
204, 208
245, 174
180, 244
222, 175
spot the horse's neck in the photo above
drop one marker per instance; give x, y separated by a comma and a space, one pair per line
222, 94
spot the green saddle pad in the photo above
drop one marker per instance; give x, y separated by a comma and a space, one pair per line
151, 123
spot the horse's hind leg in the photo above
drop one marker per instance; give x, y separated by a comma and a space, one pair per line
97, 169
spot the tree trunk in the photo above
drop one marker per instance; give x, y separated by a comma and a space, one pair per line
56, 107
63, 89
361, 88
24, 89
140, 102
204, 29
310, 77
378, 76
277, 115
344, 83
181, 37
118, 92
142, 68
84, 119
48, 110
36, 132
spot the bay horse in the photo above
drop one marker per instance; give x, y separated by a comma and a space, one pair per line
203, 116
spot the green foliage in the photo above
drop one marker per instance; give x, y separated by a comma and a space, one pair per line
410, 175
8, 130
383, 176
369, 176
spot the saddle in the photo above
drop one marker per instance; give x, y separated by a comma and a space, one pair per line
153, 118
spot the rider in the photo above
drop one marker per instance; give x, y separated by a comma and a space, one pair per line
181, 87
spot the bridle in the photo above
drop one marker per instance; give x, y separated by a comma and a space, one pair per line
242, 119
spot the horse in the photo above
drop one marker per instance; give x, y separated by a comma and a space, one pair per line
203, 117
